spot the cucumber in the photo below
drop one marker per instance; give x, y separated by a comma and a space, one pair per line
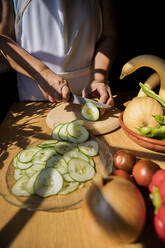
90, 148
77, 133
63, 146
58, 163
19, 188
80, 170
55, 131
30, 183
43, 155
75, 154
63, 134
27, 154
49, 182
47, 143
68, 178
90, 111
68, 187
33, 169
18, 173
22, 166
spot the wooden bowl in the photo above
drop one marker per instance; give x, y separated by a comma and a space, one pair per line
149, 143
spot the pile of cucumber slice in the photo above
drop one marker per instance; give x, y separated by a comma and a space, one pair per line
56, 166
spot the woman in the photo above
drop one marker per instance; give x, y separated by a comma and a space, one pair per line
58, 47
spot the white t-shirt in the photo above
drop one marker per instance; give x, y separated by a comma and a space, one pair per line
62, 34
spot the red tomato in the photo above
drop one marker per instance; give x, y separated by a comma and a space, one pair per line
124, 159
122, 173
162, 191
159, 222
143, 171
157, 179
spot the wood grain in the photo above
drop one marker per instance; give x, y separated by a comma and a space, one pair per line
67, 112
25, 124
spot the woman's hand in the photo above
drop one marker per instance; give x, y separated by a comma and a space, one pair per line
53, 87
100, 90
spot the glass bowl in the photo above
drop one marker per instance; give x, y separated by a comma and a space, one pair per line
103, 166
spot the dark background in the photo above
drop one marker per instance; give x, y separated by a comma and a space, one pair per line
141, 30
140, 26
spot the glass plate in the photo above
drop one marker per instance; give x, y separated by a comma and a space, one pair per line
103, 165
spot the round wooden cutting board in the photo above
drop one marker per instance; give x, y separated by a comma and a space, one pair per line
67, 112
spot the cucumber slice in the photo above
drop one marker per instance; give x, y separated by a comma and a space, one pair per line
80, 170
90, 111
91, 162
47, 143
27, 154
68, 178
30, 183
64, 146
33, 169
77, 133
68, 187
63, 133
90, 148
18, 173
43, 155
49, 182
58, 163
56, 130
19, 188
22, 166
75, 154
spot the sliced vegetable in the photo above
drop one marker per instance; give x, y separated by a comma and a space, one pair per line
80, 170
90, 111
90, 148
49, 182
68, 187
77, 133
19, 188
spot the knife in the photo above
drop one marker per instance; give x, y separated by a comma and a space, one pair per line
81, 100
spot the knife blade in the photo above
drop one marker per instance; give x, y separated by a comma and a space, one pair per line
81, 100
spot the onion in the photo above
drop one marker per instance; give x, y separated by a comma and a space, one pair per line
114, 211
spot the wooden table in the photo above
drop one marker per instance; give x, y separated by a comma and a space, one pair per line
19, 228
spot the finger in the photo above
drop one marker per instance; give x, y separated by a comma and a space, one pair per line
65, 93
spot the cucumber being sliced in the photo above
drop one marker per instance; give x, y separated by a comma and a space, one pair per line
49, 182
80, 170
90, 148
77, 133
90, 111
19, 188
63, 146
27, 154
68, 187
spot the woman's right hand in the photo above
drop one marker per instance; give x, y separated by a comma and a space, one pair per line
53, 87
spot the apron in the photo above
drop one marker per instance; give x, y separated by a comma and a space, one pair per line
63, 35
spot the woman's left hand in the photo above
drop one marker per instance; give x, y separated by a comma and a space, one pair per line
99, 90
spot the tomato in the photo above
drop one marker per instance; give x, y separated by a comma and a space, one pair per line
122, 173
143, 171
124, 159
159, 222
157, 179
